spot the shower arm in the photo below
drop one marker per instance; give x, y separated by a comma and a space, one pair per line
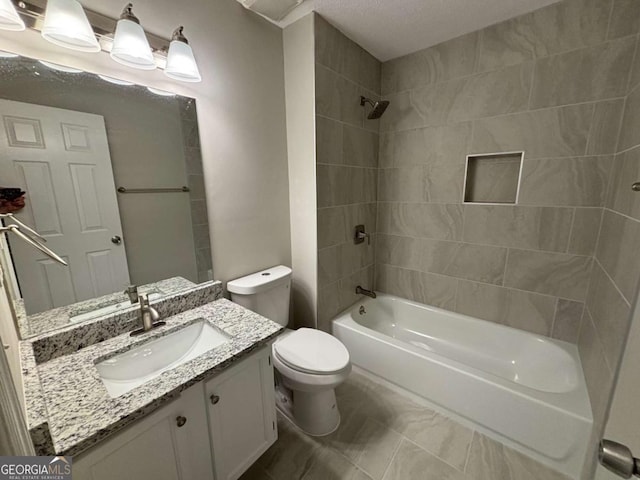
364, 100
34, 243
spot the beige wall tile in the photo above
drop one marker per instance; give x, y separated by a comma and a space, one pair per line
566, 324
626, 171
331, 226
610, 314
489, 94
441, 221
527, 311
437, 290
556, 132
343, 56
593, 73
565, 181
328, 141
436, 146
597, 373
473, 262
605, 127
445, 61
360, 147
630, 130
618, 252
625, 18
342, 260
561, 27
558, 274
345, 185
584, 231
538, 228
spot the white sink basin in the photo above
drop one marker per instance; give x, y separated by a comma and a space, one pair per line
134, 367
99, 312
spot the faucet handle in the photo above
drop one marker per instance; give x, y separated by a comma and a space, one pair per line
132, 292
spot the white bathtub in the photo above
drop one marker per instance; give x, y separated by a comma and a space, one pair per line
526, 388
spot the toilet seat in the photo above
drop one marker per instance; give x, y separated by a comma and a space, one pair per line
312, 351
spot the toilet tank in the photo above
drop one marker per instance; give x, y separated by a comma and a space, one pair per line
266, 292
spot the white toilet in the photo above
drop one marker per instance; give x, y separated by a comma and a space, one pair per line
310, 363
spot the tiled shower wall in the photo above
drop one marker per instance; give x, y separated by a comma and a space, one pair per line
347, 161
616, 270
550, 83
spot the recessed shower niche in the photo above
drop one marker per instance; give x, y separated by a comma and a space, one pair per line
493, 178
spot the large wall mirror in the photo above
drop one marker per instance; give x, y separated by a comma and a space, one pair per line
113, 181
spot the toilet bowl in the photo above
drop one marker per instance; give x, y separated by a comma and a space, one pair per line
309, 363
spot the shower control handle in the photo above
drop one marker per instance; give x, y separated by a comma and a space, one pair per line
618, 459
361, 235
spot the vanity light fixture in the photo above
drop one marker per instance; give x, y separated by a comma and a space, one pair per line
115, 81
9, 18
181, 64
60, 68
162, 93
66, 25
130, 45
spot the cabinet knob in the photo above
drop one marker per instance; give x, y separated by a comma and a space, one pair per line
180, 420
214, 399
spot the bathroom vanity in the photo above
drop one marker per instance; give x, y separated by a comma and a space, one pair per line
173, 413
215, 429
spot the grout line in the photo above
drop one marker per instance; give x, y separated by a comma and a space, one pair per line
393, 457
488, 245
591, 130
603, 351
626, 150
433, 454
504, 272
607, 209
466, 462
502, 67
610, 18
555, 315
573, 222
533, 79
520, 112
484, 204
615, 285
531, 292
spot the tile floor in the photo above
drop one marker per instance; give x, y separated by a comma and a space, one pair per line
386, 436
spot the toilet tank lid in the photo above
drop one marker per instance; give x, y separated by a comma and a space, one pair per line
260, 281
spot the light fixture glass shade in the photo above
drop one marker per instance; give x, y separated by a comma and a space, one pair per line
181, 64
130, 46
66, 25
9, 18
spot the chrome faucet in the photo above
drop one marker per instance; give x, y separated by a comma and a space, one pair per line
364, 291
148, 315
132, 292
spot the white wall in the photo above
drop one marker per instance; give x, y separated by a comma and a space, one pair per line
241, 115
299, 67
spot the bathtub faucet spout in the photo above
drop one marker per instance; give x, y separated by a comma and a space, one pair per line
364, 291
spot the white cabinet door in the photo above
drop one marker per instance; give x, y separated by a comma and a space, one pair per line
242, 415
156, 447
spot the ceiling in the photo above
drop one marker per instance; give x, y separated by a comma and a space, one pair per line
392, 28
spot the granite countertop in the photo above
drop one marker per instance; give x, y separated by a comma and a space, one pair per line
79, 412
39, 323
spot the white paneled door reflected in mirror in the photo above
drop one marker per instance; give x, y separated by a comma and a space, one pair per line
105, 166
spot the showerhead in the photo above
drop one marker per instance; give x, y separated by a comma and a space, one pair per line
378, 107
